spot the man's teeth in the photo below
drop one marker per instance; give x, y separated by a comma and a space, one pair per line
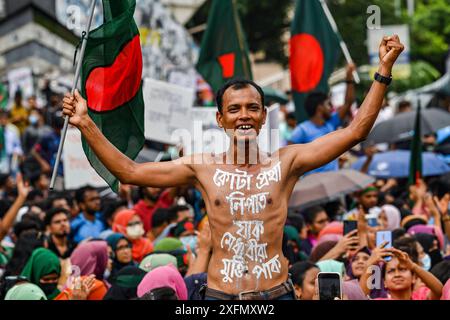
245, 127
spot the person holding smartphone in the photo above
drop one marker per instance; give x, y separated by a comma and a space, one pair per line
399, 275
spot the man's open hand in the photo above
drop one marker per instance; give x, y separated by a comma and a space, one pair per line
390, 50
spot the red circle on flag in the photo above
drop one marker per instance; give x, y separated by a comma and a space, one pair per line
306, 62
112, 86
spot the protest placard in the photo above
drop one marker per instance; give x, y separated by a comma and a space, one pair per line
167, 110
77, 169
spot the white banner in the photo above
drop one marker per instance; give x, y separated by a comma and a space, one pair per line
77, 169
167, 110
22, 79
402, 68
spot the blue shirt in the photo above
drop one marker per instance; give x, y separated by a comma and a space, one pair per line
307, 131
81, 228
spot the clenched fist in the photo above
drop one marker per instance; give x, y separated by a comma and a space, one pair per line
390, 50
75, 107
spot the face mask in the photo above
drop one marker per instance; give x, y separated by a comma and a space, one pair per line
106, 274
426, 262
33, 119
190, 241
136, 231
48, 288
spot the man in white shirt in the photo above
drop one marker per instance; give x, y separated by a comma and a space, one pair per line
10, 145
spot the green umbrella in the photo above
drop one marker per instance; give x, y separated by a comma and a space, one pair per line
274, 95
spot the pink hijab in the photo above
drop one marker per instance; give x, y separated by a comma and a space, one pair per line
393, 216
446, 291
91, 257
428, 229
353, 290
166, 276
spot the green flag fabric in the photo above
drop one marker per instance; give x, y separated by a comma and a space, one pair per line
415, 162
111, 78
224, 51
314, 50
3, 96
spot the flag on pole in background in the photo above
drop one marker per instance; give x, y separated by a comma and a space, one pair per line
415, 163
314, 50
3, 96
111, 78
224, 51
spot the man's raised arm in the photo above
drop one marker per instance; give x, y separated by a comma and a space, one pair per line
161, 174
327, 148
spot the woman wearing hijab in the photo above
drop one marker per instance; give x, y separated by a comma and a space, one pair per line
163, 277
400, 274
25, 291
174, 247
128, 223
357, 263
91, 258
156, 260
44, 269
121, 253
125, 286
331, 266
389, 217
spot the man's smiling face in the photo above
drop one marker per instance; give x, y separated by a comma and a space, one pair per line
242, 114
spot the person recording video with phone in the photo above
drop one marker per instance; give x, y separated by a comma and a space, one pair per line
399, 275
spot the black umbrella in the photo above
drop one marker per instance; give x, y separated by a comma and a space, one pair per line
401, 127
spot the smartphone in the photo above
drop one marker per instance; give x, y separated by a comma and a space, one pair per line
330, 285
383, 236
350, 225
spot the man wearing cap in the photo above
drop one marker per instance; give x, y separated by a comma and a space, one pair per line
368, 199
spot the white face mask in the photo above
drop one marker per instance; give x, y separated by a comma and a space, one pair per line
106, 274
136, 231
426, 262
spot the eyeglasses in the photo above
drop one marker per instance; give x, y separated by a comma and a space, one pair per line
131, 224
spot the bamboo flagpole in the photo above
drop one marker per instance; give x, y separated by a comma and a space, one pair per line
74, 86
344, 48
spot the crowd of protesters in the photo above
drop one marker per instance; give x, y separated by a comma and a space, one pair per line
155, 244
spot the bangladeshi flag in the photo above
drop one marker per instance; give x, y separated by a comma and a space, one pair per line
314, 50
112, 83
224, 51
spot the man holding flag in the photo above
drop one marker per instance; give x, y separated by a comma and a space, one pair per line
246, 191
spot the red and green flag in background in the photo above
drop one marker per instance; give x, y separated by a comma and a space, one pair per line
111, 78
224, 51
314, 50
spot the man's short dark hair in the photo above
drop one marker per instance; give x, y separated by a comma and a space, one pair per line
53, 212
172, 214
313, 101
291, 116
310, 213
159, 217
79, 194
55, 196
237, 84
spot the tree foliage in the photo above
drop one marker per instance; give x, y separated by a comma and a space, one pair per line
264, 23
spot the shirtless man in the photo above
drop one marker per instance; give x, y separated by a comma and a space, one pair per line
246, 192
